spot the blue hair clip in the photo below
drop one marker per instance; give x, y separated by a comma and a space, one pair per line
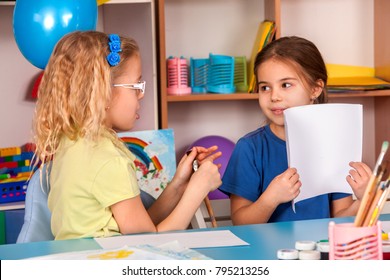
114, 44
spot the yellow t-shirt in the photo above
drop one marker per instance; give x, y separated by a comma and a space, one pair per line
85, 180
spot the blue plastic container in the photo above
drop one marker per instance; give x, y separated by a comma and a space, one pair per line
13, 191
221, 74
199, 71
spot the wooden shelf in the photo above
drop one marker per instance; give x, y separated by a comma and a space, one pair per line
254, 96
211, 97
12, 205
371, 93
127, 1
7, 3
12, 3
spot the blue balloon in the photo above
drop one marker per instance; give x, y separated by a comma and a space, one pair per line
40, 24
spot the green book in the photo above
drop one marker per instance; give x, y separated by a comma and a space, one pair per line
2, 227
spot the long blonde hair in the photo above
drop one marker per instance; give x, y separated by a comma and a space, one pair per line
75, 91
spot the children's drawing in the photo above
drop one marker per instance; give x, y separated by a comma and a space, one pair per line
156, 161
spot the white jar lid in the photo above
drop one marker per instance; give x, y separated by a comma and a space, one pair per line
323, 246
288, 254
305, 245
309, 255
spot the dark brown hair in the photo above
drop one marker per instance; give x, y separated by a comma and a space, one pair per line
302, 55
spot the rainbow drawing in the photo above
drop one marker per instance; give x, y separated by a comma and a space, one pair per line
137, 147
155, 161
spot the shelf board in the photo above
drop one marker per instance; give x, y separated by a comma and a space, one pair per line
127, 1
254, 96
12, 205
7, 3
211, 97
371, 93
12, 3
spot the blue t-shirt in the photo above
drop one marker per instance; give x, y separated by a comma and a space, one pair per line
257, 159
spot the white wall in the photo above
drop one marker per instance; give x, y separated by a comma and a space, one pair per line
17, 77
343, 30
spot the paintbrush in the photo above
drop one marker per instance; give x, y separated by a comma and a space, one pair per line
380, 188
384, 193
371, 188
210, 211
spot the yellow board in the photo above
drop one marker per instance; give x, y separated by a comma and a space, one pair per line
264, 36
339, 70
101, 2
347, 75
356, 81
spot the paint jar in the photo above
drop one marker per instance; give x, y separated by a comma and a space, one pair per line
323, 247
288, 254
309, 255
386, 249
305, 245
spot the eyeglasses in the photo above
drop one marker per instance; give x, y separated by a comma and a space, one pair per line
138, 86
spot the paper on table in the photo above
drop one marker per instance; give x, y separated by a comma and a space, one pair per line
321, 141
168, 251
201, 239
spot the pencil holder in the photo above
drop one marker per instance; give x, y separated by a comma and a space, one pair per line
240, 74
199, 68
348, 242
221, 74
177, 75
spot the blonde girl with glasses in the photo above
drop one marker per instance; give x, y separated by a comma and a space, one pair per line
91, 89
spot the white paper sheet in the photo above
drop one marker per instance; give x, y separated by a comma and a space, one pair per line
321, 141
169, 251
201, 239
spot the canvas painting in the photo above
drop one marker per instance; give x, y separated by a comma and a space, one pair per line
155, 158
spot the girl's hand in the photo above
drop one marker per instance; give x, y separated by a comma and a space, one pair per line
358, 178
184, 169
207, 154
207, 178
284, 187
